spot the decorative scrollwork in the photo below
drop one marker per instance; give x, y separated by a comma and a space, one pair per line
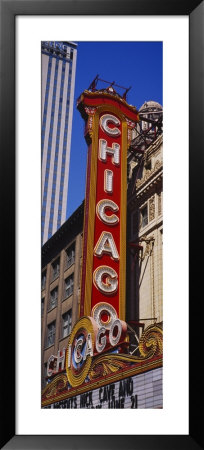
105, 367
150, 345
56, 386
151, 342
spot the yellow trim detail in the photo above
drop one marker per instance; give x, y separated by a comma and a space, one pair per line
149, 365
123, 215
76, 379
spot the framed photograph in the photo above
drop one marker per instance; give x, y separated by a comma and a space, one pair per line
24, 25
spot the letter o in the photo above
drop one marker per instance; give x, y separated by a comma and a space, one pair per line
115, 339
100, 345
104, 308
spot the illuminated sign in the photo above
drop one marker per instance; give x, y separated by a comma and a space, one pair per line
56, 363
97, 357
101, 369
90, 338
109, 122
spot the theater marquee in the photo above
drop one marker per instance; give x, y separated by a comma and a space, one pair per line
97, 366
136, 392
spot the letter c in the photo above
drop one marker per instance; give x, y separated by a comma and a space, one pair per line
104, 124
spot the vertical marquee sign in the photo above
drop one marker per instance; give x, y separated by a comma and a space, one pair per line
98, 346
109, 120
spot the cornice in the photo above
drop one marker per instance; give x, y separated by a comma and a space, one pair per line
61, 232
151, 179
150, 175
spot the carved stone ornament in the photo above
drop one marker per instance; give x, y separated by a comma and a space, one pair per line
147, 251
149, 241
55, 388
149, 173
159, 204
152, 208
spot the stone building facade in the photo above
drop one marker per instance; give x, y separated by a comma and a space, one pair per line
145, 236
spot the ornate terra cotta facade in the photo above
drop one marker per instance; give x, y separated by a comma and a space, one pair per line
145, 236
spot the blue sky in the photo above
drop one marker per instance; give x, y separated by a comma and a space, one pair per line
135, 64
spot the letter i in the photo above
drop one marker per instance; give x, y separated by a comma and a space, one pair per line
108, 181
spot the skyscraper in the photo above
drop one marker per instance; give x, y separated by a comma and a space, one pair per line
58, 80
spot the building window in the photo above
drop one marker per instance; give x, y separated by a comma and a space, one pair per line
42, 305
43, 280
69, 286
53, 298
144, 216
70, 256
55, 269
51, 334
66, 323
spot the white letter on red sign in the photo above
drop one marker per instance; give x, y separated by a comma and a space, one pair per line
108, 181
100, 343
104, 124
89, 349
100, 211
114, 151
114, 339
106, 244
106, 279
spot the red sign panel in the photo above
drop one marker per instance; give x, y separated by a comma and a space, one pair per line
109, 120
106, 254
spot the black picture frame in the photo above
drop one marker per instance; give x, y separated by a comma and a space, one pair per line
195, 10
